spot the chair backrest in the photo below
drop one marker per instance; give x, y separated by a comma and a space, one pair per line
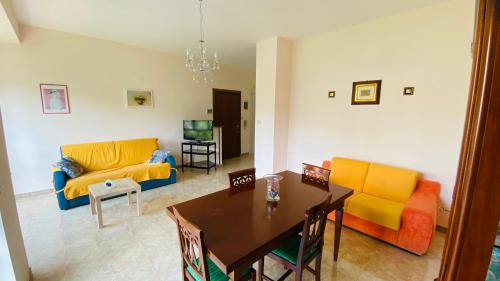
314, 228
242, 179
315, 175
193, 249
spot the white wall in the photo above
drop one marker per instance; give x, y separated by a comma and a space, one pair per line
428, 48
272, 105
13, 260
97, 72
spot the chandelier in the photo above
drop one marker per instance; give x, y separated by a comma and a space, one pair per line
199, 62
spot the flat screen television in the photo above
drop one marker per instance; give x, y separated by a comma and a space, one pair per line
198, 130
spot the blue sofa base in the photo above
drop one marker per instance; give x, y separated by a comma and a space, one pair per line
65, 204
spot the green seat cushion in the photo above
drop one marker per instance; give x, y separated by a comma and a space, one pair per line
290, 250
213, 271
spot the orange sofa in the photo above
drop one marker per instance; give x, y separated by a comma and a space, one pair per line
389, 203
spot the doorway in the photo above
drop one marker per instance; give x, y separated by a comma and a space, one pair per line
227, 114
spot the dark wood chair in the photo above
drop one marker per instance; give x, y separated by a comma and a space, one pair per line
242, 179
196, 266
315, 175
297, 252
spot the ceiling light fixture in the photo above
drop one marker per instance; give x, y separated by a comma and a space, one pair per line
199, 62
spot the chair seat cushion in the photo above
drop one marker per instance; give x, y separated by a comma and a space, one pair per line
213, 271
139, 173
377, 210
290, 250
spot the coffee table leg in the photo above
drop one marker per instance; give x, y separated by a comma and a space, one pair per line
92, 204
129, 196
99, 213
139, 201
339, 214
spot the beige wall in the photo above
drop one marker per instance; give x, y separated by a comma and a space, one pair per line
13, 260
97, 72
430, 49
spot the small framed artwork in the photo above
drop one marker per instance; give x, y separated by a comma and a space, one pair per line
366, 92
54, 99
331, 94
245, 105
136, 98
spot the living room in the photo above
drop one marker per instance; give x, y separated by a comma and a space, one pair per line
383, 91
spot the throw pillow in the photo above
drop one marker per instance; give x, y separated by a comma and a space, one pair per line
70, 167
159, 156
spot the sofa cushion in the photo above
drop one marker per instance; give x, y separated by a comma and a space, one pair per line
132, 152
139, 173
381, 211
92, 156
390, 183
348, 173
159, 156
70, 167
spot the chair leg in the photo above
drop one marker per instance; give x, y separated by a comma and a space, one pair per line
298, 274
317, 268
260, 270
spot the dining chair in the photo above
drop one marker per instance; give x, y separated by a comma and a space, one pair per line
242, 179
315, 175
196, 266
297, 252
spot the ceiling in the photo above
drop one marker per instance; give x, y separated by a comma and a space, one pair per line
232, 26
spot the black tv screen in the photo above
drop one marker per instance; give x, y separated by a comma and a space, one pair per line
198, 130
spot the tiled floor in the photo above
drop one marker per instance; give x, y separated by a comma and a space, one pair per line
66, 245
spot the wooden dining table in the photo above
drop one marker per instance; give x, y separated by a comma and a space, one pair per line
240, 227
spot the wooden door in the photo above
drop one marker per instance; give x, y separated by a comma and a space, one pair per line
476, 201
227, 113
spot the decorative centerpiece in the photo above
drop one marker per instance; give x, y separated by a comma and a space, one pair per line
109, 184
273, 187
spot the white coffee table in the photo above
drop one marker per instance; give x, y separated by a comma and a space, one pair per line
98, 192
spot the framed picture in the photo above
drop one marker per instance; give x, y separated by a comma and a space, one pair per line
139, 98
366, 92
54, 99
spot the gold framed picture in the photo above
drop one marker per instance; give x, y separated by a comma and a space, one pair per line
366, 92
138, 98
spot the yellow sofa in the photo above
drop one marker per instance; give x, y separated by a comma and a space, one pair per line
389, 203
111, 160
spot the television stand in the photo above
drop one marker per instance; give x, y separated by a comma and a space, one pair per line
199, 148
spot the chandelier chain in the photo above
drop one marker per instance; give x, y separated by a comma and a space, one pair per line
202, 32
199, 62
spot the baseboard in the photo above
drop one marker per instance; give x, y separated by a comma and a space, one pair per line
441, 229
34, 193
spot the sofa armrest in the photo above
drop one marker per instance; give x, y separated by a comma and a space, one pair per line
326, 164
171, 160
58, 179
418, 220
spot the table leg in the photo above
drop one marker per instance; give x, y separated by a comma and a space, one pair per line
236, 275
260, 269
99, 213
92, 204
129, 197
339, 214
139, 201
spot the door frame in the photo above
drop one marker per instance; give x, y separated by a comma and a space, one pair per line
227, 91
476, 200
